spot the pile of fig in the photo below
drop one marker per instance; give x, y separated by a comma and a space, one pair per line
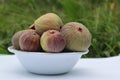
49, 34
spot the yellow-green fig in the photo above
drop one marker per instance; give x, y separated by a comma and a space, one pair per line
48, 21
78, 37
52, 41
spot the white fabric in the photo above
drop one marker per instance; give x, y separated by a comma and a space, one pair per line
85, 69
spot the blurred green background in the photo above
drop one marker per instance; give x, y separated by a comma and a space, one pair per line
101, 17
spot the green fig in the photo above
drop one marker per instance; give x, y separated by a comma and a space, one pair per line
48, 21
29, 41
52, 41
78, 37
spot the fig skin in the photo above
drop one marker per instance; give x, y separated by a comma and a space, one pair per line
52, 41
78, 37
30, 41
15, 38
48, 21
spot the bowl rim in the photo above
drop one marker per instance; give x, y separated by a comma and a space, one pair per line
13, 50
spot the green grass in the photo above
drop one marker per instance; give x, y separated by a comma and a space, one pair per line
97, 15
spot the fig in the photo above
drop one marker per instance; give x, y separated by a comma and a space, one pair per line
15, 39
47, 22
78, 37
52, 41
29, 41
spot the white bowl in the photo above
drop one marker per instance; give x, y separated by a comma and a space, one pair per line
47, 63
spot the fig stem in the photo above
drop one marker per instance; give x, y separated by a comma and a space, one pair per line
52, 32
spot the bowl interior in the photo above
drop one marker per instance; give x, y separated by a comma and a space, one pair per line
13, 50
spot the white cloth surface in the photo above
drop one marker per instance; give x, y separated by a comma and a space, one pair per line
85, 69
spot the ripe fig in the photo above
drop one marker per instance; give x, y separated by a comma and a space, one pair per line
47, 22
78, 37
29, 41
52, 41
15, 39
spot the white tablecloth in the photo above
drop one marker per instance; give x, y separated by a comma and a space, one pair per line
85, 69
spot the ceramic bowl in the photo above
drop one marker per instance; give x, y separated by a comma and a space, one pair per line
47, 63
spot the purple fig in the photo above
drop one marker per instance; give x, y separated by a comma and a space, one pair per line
15, 38
29, 41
